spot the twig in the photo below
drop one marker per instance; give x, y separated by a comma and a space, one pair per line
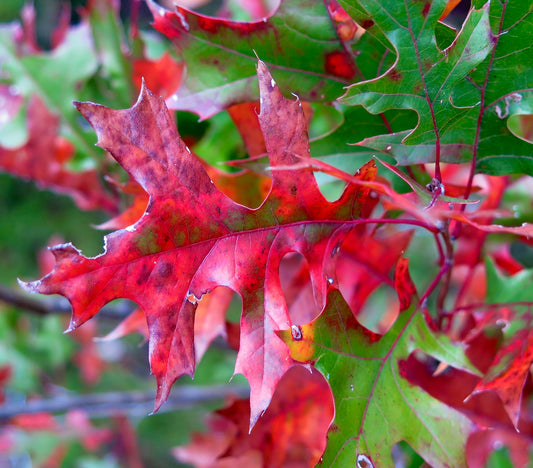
58, 305
137, 403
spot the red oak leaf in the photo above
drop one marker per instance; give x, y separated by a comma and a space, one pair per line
192, 238
42, 160
510, 383
244, 187
245, 118
292, 431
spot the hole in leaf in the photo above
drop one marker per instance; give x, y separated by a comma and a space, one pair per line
217, 315
521, 126
404, 455
296, 286
379, 310
364, 273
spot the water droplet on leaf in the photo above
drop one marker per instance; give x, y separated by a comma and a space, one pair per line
296, 332
363, 461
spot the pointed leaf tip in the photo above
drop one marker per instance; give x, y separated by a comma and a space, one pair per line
31, 287
71, 326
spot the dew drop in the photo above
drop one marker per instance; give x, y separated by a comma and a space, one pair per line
388, 148
272, 82
351, 387
331, 280
296, 332
131, 228
363, 461
192, 298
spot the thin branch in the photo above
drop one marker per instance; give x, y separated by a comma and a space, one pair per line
58, 305
136, 403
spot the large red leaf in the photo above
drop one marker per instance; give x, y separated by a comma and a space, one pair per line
192, 238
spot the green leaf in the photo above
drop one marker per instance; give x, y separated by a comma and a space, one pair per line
299, 44
375, 406
423, 76
502, 86
482, 79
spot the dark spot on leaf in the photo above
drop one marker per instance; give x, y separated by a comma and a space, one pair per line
208, 25
367, 23
339, 64
165, 269
144, 274
426, 8
372, 337
394, 75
